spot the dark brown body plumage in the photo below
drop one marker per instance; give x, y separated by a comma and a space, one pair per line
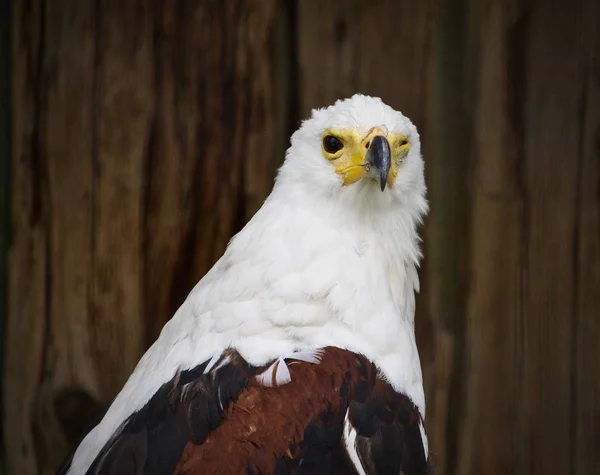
227, 422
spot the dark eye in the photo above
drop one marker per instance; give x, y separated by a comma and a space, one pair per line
332, 144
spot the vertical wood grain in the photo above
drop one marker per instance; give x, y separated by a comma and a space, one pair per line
446, 236
5, 148
123, 114
526, 281
554, 128
586, 351
488, 408
379, 48
65, 160
27, 281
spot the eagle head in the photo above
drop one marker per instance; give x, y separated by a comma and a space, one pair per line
360, 148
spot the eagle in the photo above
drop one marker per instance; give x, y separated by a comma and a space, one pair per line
296, 352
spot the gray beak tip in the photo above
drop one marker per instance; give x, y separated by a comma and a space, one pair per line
383, 182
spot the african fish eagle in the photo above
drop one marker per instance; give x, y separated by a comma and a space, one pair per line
296, 352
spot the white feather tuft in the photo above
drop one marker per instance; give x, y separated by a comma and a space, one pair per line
424, 439
313, 357
349, 440
275, 375
212, 364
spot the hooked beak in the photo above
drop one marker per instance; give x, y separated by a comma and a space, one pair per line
379, 158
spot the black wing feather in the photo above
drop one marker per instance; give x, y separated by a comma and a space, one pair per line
388, 438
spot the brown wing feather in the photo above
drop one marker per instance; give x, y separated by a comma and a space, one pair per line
268, 425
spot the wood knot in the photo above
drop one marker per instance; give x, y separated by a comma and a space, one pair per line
77, 412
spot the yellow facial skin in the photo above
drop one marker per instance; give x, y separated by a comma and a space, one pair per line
350, 160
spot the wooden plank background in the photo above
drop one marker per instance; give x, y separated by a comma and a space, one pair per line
4, 175
145, 134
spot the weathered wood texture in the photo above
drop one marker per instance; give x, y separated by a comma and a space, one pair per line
138, 132
5, 98
146, 133
379, 48
527, 398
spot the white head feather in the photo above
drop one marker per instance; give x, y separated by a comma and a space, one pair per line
319, 264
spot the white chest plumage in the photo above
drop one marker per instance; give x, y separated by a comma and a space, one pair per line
282, 289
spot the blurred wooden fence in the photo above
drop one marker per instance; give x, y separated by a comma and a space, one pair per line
144, 134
